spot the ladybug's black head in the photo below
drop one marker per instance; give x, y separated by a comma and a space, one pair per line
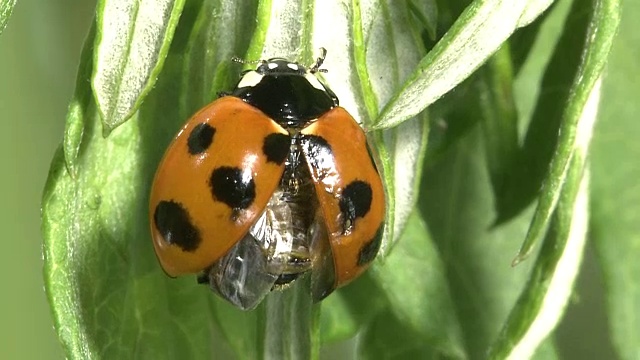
280, 66
286, 91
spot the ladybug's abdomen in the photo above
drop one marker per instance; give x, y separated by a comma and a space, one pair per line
278, 247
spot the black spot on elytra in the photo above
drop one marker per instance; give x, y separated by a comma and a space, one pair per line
318, 151
355, 202
276, 147
200, 138
370, 249
229, 186
175, 225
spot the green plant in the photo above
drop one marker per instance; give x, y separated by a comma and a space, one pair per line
6, 8
442, 286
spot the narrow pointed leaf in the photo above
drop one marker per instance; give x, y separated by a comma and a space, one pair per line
550, 286
132, 40
476, 34
541, 89
601, 25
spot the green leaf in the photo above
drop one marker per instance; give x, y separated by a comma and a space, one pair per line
445, 290
426, 12
525, 43
538, 84
388, 338
286, 31
337, 322
80, 109
458, 206
426, 312
356, 305
109, 298
477, 34
615, 225
594, 32
532, 48
210, 48
239, 328
383, 35
550, 285
491, 97
6, 8
132, 40
496, 108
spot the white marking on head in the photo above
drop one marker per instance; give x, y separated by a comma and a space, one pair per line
272, 66
313, 80
293, 66
250, 79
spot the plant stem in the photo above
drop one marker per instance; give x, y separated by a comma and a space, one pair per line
290, 326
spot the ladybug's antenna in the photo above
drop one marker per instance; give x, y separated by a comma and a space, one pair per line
316, 67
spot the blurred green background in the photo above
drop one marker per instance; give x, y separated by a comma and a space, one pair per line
39, 54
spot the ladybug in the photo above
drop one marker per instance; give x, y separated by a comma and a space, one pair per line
265, 184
